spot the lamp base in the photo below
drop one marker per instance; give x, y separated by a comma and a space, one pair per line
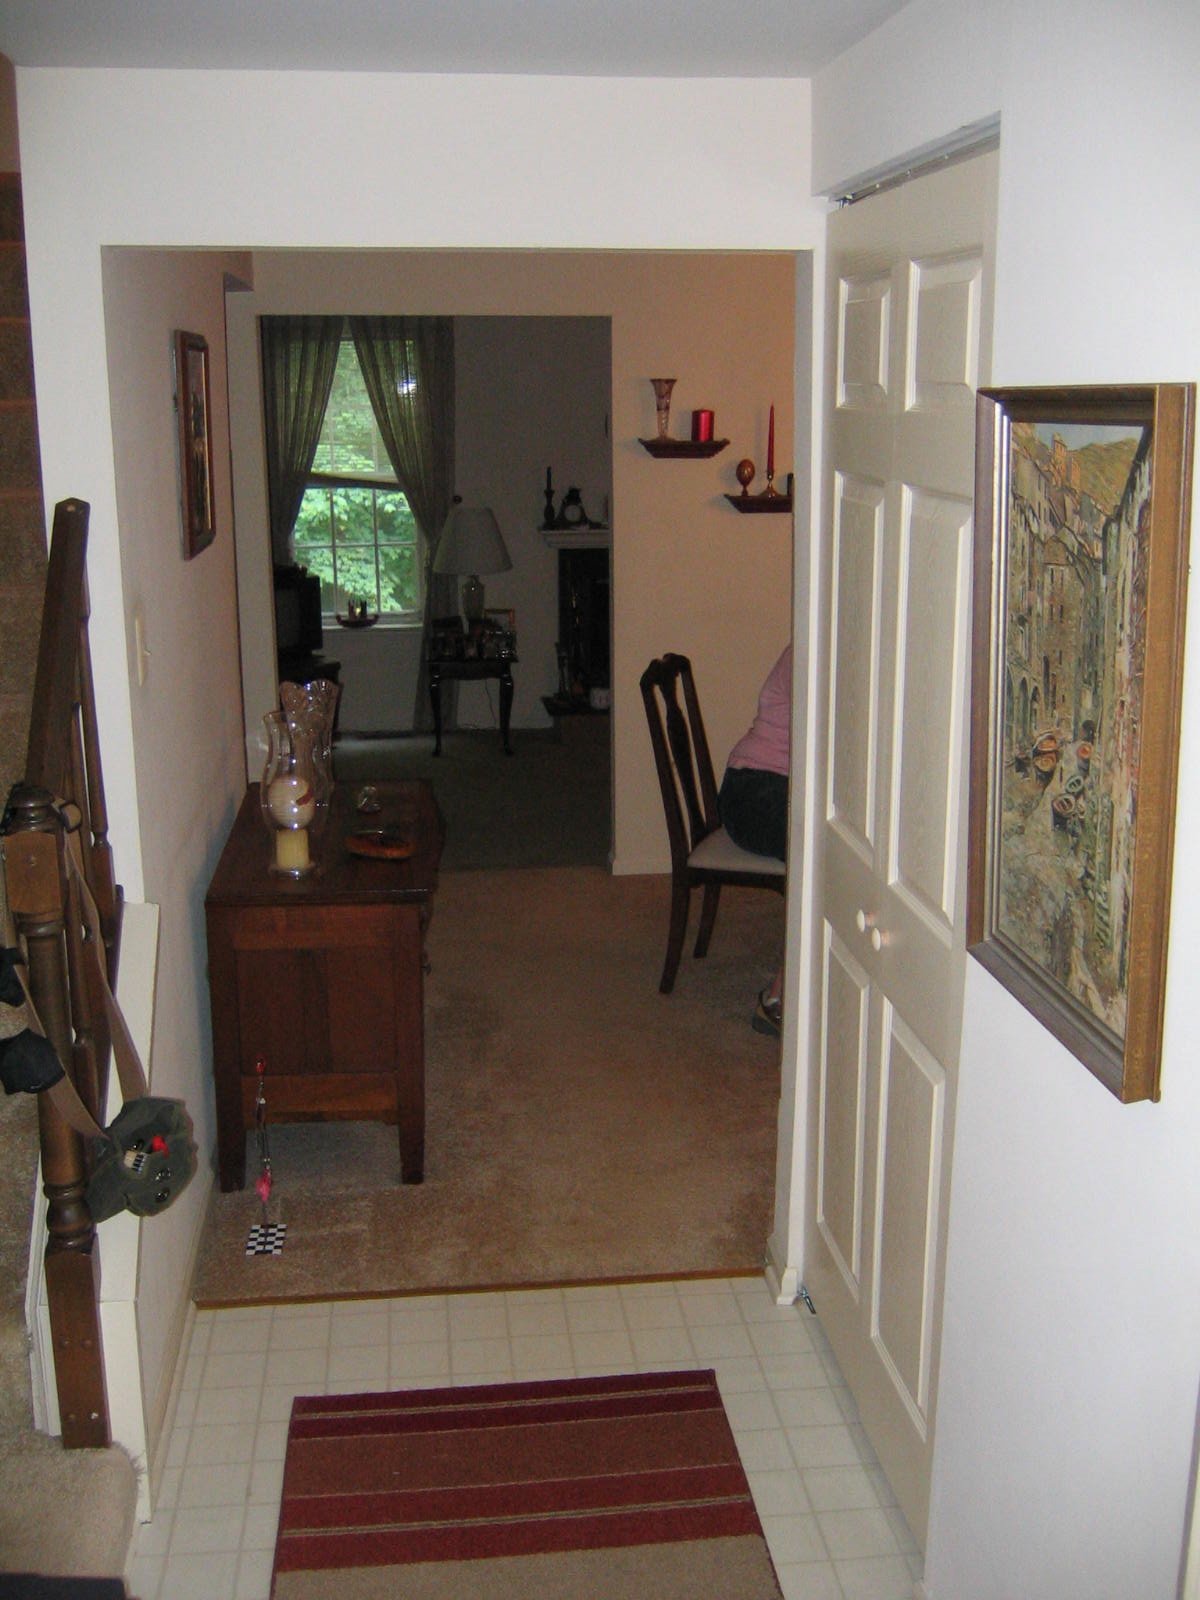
472, 599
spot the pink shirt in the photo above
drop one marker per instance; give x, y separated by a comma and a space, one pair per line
767, 746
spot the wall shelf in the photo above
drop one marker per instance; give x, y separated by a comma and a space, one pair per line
777, 502
696, 449
577, 538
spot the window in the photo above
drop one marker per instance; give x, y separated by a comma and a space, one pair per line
355, 530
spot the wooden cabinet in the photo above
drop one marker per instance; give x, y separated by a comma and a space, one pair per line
322, 977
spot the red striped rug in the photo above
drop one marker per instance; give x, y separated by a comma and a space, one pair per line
577, 1489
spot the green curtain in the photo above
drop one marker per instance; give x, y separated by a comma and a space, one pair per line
408, 366
299, 356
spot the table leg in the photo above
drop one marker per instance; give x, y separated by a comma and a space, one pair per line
435, 697
506, 700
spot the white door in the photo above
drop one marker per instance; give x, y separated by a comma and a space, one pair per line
909, 315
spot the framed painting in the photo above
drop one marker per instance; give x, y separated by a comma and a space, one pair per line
194, 416
1082, 511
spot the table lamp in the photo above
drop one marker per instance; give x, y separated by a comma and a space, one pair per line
471, 543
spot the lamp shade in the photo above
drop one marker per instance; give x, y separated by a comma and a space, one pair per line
471, 542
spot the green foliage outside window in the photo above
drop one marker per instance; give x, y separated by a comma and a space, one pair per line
355, 529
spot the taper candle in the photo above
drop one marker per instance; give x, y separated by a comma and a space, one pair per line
771, 445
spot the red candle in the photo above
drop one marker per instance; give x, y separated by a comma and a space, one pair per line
771, 445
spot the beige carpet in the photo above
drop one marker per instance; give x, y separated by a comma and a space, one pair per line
580, 1126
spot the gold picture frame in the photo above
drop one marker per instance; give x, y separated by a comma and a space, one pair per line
193, 409
1082, 514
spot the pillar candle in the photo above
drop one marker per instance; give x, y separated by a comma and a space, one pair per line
291, 849
771, 445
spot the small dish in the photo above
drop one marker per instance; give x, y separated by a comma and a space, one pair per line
380, 844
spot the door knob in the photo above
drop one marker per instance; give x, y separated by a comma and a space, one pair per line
865, 922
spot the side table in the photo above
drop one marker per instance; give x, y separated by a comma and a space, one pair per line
322, 977
498, 667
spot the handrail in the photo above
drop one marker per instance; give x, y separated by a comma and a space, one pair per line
64, 780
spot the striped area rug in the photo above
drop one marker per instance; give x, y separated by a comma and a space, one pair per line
575, 1489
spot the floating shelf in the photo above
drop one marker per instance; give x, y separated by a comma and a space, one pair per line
698, 449
777, 502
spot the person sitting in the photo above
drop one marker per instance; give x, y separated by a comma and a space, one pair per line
753, 801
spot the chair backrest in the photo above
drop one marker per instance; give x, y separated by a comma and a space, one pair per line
681, 756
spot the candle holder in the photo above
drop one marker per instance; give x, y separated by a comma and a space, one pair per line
289, 798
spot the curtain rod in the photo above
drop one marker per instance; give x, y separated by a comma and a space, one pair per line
972, 140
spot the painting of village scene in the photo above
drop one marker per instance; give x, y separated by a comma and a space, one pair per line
1078, 520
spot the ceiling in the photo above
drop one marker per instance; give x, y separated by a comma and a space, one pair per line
588, 38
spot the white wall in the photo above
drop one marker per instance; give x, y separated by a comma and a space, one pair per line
1071, 1354
187, 723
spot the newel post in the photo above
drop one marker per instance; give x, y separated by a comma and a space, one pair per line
35, 867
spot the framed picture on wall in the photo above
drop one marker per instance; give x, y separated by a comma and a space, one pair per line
194, 416
1082, 511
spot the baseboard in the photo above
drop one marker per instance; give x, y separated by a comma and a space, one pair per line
784, 1281
161, 1414
37, 1320
627, 866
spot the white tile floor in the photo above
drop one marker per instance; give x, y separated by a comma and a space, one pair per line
830, 1519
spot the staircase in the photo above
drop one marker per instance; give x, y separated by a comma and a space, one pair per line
66, 1513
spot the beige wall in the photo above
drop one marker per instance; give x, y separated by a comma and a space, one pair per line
689, 573
10, 155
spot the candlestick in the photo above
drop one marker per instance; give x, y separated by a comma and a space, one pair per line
771, 445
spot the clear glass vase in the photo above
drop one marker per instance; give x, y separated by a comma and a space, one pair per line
309, 710
662, 403
288, 795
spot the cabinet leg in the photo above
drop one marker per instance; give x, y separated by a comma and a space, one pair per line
412, 1159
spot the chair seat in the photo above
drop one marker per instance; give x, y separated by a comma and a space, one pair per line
717, 852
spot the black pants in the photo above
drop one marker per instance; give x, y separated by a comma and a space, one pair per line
754, 809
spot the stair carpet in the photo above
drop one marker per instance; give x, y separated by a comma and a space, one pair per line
62, 1513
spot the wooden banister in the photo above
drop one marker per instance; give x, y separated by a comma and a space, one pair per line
63, 787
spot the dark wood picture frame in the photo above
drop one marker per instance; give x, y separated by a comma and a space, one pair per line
1082, 516
193, 409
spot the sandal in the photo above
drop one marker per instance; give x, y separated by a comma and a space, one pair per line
768, 1015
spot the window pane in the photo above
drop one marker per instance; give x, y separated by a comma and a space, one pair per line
398, 585
396, 521
354, 517
349, 439
356, 577
313, 526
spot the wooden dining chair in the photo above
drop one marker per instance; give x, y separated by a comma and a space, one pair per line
702, 853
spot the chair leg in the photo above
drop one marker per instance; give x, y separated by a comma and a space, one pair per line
708, 917
681, 895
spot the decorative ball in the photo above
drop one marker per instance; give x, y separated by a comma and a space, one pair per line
745, 472
291, 801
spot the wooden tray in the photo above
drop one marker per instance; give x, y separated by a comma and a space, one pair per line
380, 844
